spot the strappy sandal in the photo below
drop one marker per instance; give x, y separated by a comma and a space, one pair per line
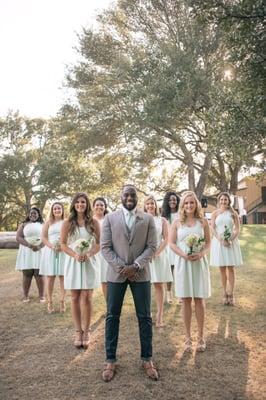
160, 325
188, 345
62, 306
201, 345
109, 372
231, 300
225, 300
169, 297
150, 370
86, 338
26, 300
42, 300
78, 339
50, 307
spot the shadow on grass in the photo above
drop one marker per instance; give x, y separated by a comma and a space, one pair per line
46, 362
227, 362
38, 356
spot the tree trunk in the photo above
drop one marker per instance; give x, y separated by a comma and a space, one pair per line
27, 204
222, 175
191, 176
204, 174
234, 171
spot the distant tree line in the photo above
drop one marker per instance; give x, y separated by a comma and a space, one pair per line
166, 90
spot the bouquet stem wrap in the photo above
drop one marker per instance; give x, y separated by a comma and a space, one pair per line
226, 235
81, 247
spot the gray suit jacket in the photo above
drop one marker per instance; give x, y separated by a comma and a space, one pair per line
121, 247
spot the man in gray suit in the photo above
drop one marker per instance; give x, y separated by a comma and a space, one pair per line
128, 241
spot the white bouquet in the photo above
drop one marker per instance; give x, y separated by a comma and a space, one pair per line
194, 242
82, 246
226, 235
34, 240
57, 244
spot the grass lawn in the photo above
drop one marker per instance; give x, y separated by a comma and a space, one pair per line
39, 361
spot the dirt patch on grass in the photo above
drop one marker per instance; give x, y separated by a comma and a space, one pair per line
39, 361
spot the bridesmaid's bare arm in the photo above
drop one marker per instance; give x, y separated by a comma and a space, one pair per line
207, 237
172, 240
45, 240
165, 235
96, 246
64, 246
236, 226
213, 218
20, 237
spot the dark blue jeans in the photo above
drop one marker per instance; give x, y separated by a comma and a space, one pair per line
141, 292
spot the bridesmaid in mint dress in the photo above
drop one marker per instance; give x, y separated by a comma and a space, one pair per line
159, 266
80, 236
192, 277
170, 213
29, 253
226, 253
53, 259
99, 211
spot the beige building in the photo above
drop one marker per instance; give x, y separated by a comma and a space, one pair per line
249, 200
253, 192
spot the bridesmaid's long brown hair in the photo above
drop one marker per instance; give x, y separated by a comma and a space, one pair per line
73, 215
230, 208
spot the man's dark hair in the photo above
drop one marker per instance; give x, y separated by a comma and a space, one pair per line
128, 185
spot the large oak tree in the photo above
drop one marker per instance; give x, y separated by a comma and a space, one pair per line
153, 76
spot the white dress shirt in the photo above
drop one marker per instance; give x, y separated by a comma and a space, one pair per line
130, 216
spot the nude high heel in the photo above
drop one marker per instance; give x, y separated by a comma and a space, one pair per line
78, 339
50, 307
86, 338
62, 306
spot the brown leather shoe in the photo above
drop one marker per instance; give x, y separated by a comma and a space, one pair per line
150, 370
108, 372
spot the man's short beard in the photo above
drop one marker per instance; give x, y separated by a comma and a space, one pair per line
131, 207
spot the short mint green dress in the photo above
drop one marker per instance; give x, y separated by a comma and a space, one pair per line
171, 254
27, 258
192, 278
222, 256
80, 275
52, 262
101, 262
160, 267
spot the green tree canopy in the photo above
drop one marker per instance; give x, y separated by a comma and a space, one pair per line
153, 77
40, 161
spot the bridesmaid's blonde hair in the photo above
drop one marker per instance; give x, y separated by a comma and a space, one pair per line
198, 211
151, 197
51, 215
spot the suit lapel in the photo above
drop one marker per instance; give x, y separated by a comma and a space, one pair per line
139, 217
124, 225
